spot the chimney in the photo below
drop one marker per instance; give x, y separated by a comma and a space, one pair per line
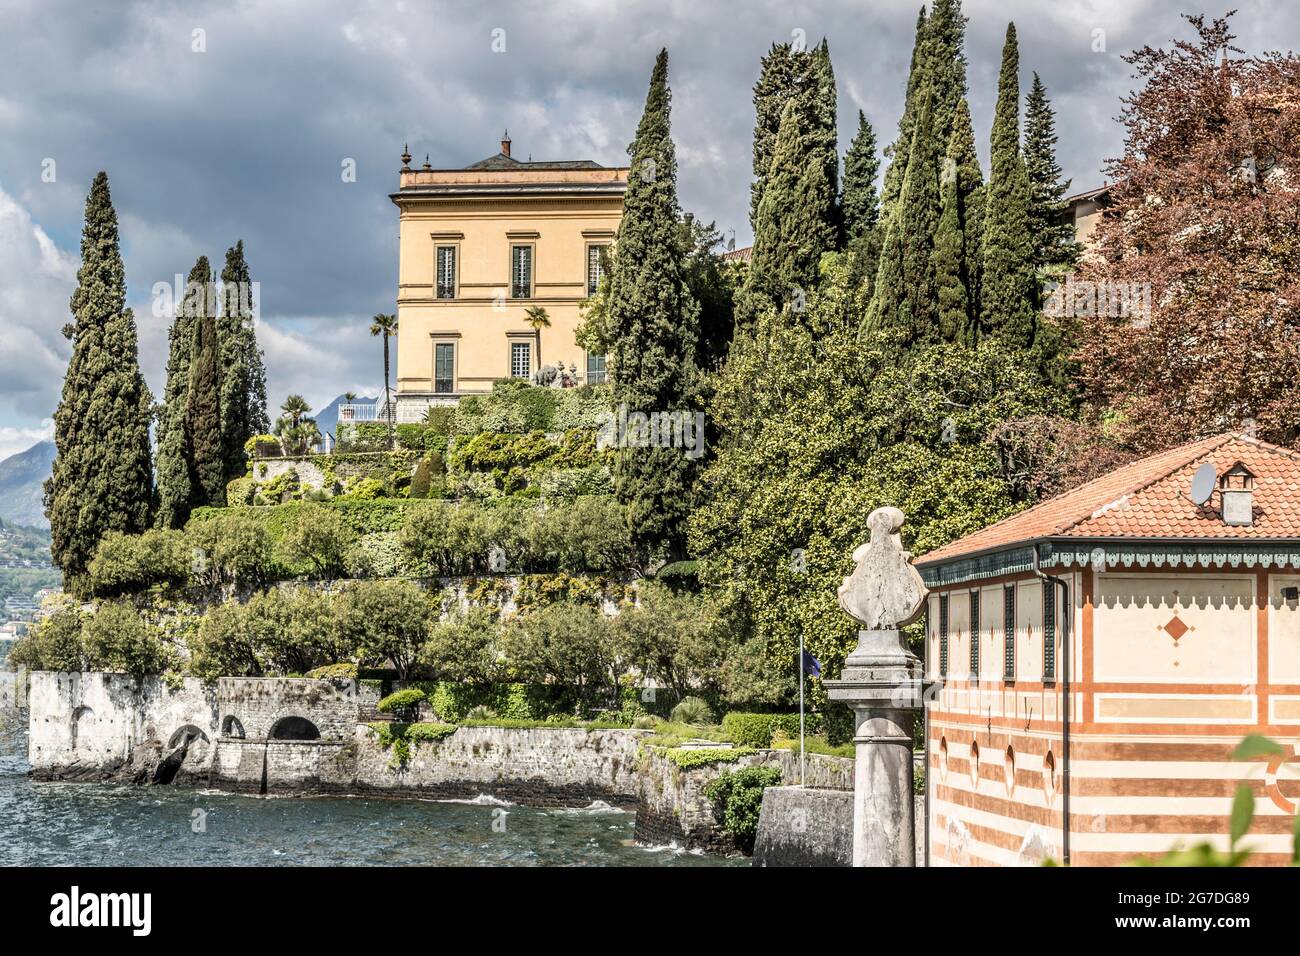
505, 143
1237, 496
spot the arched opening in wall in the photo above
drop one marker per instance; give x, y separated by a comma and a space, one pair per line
294, 728
1009, 770
83, 718
185, 735
975, 763
1049, 776
943, 758
231, 727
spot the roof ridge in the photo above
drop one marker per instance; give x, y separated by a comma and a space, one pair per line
1211, 443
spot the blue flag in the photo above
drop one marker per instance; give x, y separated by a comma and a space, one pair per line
811, 665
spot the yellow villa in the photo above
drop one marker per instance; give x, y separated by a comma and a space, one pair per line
479, 248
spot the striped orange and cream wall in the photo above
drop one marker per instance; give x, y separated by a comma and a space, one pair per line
1169, 671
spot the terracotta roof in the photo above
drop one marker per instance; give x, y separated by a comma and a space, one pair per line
1150, 499
743, 254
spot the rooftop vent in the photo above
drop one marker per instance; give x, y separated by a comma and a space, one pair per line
1237, 494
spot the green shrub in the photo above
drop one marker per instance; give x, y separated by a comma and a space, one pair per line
748, 730
692, 710
404, 705
464, 646
230, 548
341, 671
240, 491
430, 733
292, 630
737, 797
385, 621
690, 758
481, 713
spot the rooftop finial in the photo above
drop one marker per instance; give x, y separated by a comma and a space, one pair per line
505, 143
426, 161
406, 155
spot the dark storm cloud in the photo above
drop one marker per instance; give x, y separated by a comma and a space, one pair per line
247, 139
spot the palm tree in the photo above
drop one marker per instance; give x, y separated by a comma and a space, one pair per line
385, 326
538, 318
296, 432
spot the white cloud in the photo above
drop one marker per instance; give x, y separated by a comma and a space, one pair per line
14, 440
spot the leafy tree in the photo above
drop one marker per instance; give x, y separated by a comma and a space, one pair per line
318, 536
294, 629
1197, 257
464, 646
385, 326
243, 373
1055, 249
223, 645
386, 621
653, 327
53, 643
1008, 284
861, 207
230, 549
117, 639
130, 563
677, 640
565, 643
203, 439
102, 478
713, 286
175, 491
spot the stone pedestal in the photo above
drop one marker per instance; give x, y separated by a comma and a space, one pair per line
881, 682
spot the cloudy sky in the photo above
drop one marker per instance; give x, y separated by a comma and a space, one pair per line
225, 121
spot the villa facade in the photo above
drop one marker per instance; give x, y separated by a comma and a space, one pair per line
1172, 628
480, 247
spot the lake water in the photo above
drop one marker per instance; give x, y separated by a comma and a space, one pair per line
70, 824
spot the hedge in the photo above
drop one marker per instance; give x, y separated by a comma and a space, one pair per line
688, 759
756, 730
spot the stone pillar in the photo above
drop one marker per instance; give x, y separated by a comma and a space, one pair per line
882, 684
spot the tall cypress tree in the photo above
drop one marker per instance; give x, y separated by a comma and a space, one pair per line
1007, 283
654, 325
203, 449
102, 478
946, 29
1055, 249
860, 205
243, 374
897, 152
824, 134
957, 240
778, 79
794, 225
175, 491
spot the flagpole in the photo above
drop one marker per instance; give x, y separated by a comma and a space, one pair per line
801, 735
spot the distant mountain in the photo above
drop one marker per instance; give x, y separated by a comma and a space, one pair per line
328, 417
21, 478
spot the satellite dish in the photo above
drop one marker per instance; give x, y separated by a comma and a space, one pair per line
1203, 483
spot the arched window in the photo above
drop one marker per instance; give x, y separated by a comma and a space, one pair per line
1009, 770
231, 727
82, 718
294, 728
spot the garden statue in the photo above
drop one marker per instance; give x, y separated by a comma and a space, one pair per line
881, 682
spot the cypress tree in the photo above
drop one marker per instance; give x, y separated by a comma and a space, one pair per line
654, 325
947, 41
1007, 282
203, 449
861, 208
778, 78
794, 226
175, 491
897, 152
824, 136
957, 239
102, 478
1055, 249
243, 375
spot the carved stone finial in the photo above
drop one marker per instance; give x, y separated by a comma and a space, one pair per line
884, 591
406, 156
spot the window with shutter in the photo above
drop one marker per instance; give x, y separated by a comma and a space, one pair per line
446, 272
1009, 630
595, 369
594, 268
444, 368
975, 635
1049, 631
943, 635
521, 272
